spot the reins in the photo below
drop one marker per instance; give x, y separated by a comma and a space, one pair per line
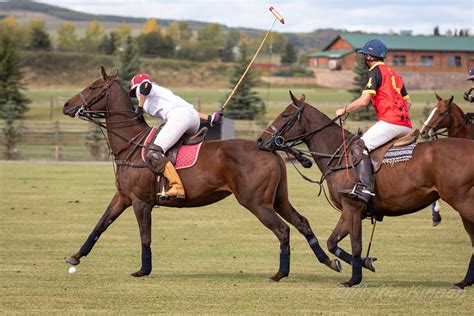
94, 116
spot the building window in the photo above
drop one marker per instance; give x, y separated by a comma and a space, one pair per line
399, 60
427, 61
454, 61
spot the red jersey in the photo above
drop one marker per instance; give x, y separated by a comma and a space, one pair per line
388, 95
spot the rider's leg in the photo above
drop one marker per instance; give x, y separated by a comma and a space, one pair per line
179, 122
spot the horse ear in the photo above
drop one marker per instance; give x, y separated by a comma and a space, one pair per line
438, 97
114, 74
104, 74
450, 100
302, 99
294, 99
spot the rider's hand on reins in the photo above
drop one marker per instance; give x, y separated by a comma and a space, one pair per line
139, 110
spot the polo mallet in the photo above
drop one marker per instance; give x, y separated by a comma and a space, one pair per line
282, 21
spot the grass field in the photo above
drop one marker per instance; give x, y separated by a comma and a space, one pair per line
210, 260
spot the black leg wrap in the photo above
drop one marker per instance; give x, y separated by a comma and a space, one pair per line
90, 242
146, 260
341, 254
356, 270
318, 251
469, 279
284, 260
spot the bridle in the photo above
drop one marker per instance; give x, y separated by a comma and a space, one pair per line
278, 142
432, 133
97, 117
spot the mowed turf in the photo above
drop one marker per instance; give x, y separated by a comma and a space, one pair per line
209, 260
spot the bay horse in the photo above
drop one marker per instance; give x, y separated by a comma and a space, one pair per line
446, 119
442, 168
257, 179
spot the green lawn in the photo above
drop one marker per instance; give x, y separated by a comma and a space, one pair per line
210, 260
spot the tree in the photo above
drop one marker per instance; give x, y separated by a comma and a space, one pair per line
109, 43
38, 36
10, 26
11, 133
290, 56
173, 31
245, 104
129, 63
123, 30
227, 54
11, 78
155, 44
93, 36
67, 37
211, 33
360, 81
185, 33
151, 26
436, 31
95, 143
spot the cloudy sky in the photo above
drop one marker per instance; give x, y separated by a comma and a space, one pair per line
421, 16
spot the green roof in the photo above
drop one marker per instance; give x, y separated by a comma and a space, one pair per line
332, 53
410, 42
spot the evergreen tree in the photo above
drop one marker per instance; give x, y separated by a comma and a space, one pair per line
436, 31
95, 143
129, 63
227, 52
360, 81
11, 134
290, 56
109, 43
245, 104
11, 78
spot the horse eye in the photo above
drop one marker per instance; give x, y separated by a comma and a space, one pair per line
285, 115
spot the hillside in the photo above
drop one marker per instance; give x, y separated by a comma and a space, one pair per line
59, 69
54, 16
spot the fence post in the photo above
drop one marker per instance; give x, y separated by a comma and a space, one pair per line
57, 147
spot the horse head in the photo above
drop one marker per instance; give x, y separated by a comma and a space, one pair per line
286, 126
439, 117
92, 98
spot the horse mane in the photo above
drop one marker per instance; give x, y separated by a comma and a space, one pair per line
125, 96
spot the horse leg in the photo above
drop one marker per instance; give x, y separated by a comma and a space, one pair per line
143, 214
339, 233
469, 278
116, 206
354, 217
289, 213
436, 216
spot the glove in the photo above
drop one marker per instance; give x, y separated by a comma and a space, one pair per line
468, 97
215, 118
139, 110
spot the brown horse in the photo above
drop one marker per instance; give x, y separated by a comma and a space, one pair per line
257, 179
402, 188
448, 119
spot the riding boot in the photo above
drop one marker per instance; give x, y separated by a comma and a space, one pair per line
363, 189
176, 186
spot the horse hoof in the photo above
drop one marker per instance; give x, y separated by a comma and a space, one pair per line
369, 263
73, 261
436, 219
349, 283
139, 274
436, 223
335, 265
460, 286
277, 277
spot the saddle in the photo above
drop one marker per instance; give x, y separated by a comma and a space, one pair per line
186, 139
378, 154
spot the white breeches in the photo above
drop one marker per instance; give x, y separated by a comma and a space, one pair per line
180, 121
382, 132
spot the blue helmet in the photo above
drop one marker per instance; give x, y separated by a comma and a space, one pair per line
374, 48
471, 74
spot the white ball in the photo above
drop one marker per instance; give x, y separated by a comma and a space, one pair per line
72, 269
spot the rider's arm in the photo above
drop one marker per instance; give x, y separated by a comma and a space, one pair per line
359, 103
406, 97
145, 89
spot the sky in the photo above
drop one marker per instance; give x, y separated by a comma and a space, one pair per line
420, 16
